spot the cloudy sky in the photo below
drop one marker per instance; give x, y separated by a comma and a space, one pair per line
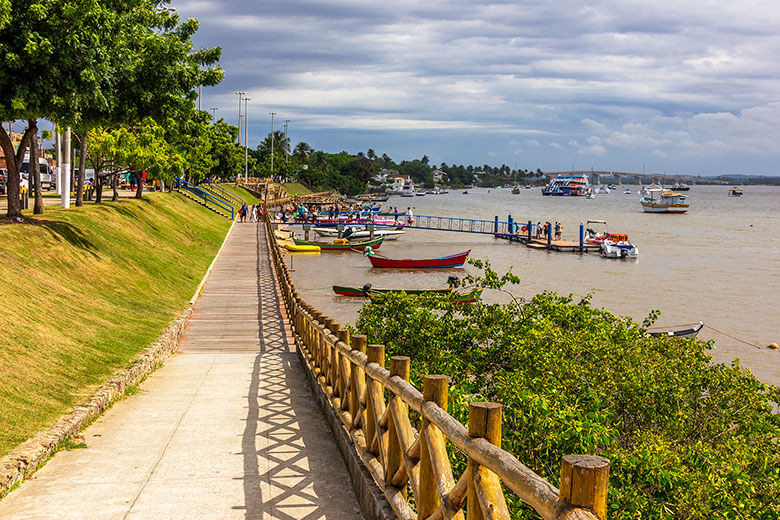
681, 87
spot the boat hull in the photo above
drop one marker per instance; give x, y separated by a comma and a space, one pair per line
330, 246
689, 332
360, 292
388, 234
432, 263
654, 207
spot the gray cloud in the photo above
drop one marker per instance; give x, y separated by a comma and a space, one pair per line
621, 82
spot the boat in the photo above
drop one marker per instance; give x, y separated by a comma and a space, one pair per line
419, 193
682, 331
627, 191
735, 192
600, 234
679, 186
409, 263
367, 290
515, 190
407, 190
296, 248
528, 186
359, 232
342, 244
658, 200
620, 249
567, 185
469, 297
465, 192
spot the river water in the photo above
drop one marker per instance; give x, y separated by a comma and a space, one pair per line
719, 263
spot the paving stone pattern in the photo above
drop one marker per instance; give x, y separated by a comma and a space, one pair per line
228, 428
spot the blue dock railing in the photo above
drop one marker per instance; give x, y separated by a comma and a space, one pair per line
207, 197
223, 192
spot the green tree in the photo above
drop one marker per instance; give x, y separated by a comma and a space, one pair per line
228, 156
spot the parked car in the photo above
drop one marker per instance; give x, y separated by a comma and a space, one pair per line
48, 179
3, 177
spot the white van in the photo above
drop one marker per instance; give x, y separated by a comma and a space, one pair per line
48, 179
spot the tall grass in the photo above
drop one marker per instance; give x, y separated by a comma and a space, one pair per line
83, 290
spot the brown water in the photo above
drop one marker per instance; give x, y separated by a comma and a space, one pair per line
719, 263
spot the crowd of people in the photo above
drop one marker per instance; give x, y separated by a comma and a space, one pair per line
541, 231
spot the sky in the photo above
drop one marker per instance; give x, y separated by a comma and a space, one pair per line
684, 87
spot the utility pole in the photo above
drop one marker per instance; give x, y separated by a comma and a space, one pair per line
213, 110
58, 156
66, 148
239, 116
286, 122
246, 141
200, 95
272, 142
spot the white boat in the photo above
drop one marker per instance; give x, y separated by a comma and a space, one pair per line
627, 192
567, 185
735, 192
659, 200
407, 190
359, 232
621, 249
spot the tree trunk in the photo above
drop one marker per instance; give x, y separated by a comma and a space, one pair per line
139, 190
82, 170
35, 168
12, 171
114, 184
98, 188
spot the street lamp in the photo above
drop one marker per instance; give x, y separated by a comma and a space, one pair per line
213, 109
272, 143
246, 141
286, 123
239, 115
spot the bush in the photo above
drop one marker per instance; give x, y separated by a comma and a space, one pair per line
687, 438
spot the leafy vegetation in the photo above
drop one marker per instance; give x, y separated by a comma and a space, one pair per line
687, 438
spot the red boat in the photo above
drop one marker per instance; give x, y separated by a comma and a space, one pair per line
445, 261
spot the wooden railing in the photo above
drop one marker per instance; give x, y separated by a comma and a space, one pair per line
374, 405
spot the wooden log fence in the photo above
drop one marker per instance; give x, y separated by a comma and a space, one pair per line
374, 405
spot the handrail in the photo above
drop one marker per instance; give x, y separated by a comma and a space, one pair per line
207, 197
353, 377
223, 192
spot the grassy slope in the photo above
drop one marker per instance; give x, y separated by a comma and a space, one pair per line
294, 188
83, 290
240, 193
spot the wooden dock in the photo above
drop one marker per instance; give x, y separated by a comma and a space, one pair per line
568, 246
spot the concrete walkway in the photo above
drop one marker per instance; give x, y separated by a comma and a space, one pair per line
228, 428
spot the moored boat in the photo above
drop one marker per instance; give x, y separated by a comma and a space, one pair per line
368, 290
299, 248
682, 331
409, 263
343, 244
568, 185
358, 232
735, 192
468, 297
620, 249
658, 200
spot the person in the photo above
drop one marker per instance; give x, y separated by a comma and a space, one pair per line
242, 212
409, 216
253, 213
557, 230
284, 215
538, 230
395, 214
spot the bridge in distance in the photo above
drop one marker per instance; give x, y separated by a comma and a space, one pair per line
645, 178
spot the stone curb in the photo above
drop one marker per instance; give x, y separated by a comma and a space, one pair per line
34, 452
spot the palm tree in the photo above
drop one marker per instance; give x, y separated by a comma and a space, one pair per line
281, 145
371, 154
302, 151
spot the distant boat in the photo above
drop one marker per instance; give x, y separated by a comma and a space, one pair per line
679, 186
735, 192
515, 190
568, 185
658, 200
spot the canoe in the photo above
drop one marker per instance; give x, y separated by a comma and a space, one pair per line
389, 234
469, 297
442, 262
295, 248
367, 290
330, 246
686, 332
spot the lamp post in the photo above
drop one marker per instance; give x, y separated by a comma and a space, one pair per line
239, 115
213, 110
286, 123
246, 141
272, 143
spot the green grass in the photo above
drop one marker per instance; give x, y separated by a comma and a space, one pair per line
240, 194
84, 290
294, 188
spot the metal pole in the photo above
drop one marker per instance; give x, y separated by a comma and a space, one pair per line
213, 110
286, 122
246, 141
272, 143
58, 156
65, 198
200, 95
239, 116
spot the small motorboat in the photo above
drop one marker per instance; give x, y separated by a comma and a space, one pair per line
409, 263
621, 249
296, 248
469, 297
735, 192
682, 331
342, 244
358, 232
367, 290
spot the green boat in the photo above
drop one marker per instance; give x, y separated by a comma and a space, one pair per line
367, 291
332, 246
468, 297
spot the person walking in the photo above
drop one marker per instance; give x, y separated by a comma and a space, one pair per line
242, 212
409, 216
557, 230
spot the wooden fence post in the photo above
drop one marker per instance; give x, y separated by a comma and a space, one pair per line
584, 480
357, 386
435, 389
343, 371
375, 403
485, 495
399, 366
